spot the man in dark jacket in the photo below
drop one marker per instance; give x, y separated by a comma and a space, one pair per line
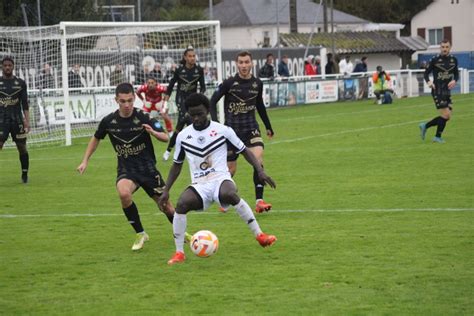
268, 70
362, 66
283, 70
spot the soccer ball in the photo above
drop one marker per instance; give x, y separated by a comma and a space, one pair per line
204, 243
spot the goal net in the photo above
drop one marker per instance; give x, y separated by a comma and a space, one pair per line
79, 64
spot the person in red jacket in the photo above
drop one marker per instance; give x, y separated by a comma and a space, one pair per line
152, 91
309, 68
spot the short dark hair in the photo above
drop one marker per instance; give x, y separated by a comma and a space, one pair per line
124, 88
363, 58
151, 78
269, 54
445, 40
8, 58
243, 54
196, 99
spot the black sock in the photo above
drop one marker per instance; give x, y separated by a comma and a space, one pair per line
433, 122
131, 213
172, 141
25, 162
441, 125
258, 186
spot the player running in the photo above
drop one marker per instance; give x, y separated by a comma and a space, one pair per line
243, 95
129, 131
445, 75
14, 113
150, 94
205, 144
188, 75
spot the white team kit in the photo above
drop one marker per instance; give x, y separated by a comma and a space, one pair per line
206, 152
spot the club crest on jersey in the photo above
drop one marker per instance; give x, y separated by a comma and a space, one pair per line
206, 163
213, 133
16, 82
136, 121
254, 85
201, 140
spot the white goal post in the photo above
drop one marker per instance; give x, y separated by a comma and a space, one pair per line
79, 64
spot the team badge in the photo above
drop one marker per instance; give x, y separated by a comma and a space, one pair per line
136, 121
16, 82
201, 140
254, 85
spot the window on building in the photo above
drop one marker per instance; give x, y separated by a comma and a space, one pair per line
435, 36
266, 39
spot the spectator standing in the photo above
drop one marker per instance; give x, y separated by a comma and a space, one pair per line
345, 66
268, 70
74, 79
283, 70
361, 66
156, 73
117, 76
45, 78
330, 65
317, 65
309, 69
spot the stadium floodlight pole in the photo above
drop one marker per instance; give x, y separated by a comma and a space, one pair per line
139, 9
312, 29
278, 32
67, 109
211, 15
333, 48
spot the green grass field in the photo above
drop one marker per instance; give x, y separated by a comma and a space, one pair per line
369, 220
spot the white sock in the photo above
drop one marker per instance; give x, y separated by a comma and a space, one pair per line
179, 227
246, 214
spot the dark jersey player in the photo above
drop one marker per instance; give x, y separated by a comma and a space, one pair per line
243, 96
444, 68
129, 130
187, 76
14, 113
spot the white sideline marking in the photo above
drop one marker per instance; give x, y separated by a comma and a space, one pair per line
363, 129
211, 212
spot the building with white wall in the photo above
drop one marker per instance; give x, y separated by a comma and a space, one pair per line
446, 19
253, 23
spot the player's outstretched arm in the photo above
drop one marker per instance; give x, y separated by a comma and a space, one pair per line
161, 136
91, 147
250, 157
262, 111
172, 176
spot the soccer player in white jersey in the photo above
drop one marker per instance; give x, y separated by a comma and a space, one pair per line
204, 144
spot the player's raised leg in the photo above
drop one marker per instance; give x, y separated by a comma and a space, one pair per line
125, 189
228, 195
